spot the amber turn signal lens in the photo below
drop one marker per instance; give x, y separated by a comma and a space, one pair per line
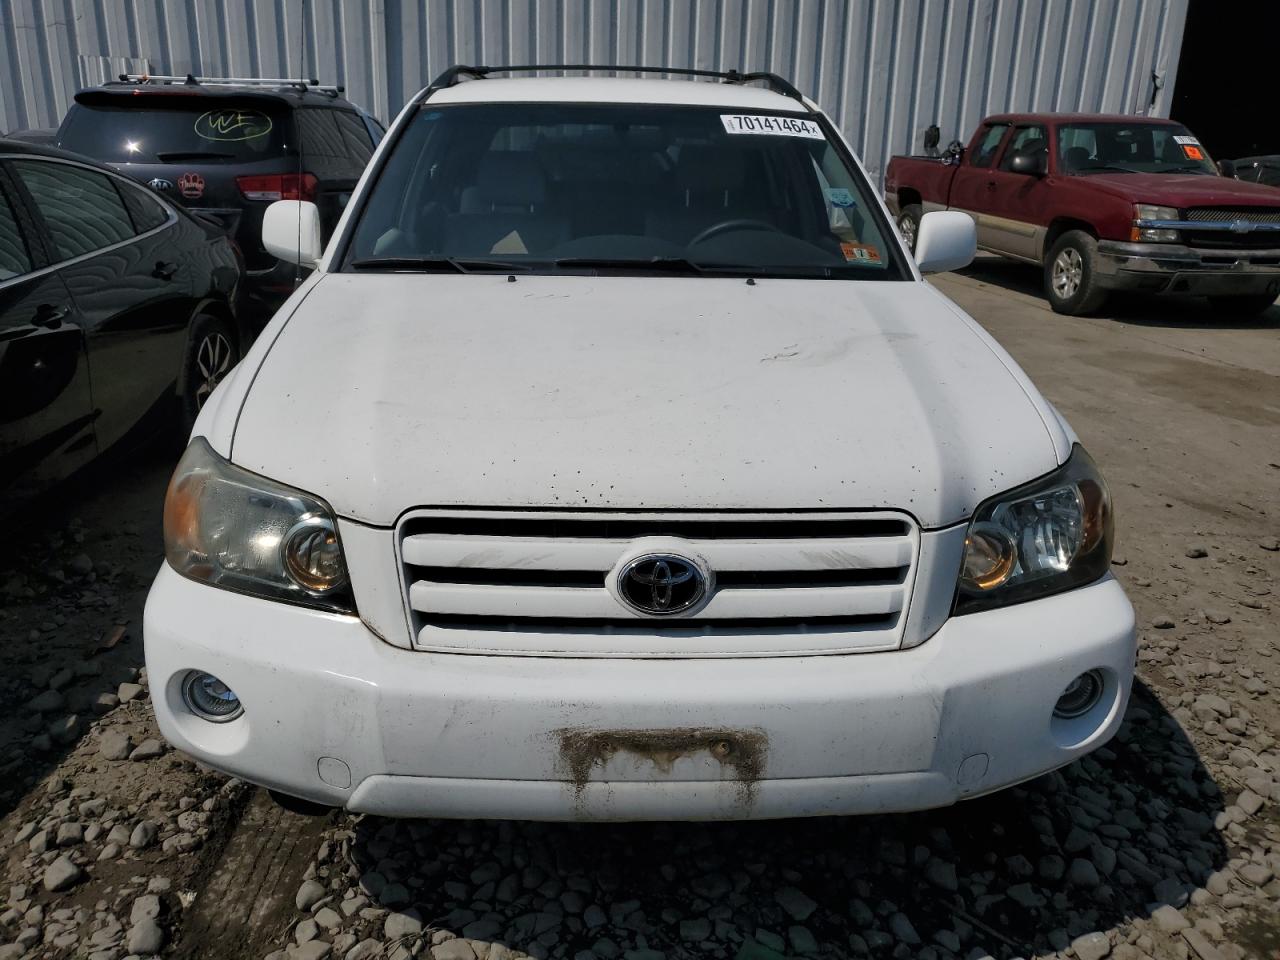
989, 557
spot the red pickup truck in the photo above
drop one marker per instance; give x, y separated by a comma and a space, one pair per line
1103, 203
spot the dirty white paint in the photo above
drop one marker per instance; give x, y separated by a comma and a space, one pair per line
884, 69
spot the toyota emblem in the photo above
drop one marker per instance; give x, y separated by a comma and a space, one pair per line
660, 584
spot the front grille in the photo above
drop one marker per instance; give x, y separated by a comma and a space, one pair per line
1221, 239
543, 584
1230, 214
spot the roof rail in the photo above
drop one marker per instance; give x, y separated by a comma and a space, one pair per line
454, 74
192, 80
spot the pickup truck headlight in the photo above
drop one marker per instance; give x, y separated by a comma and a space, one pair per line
230, 528
1147, 211
1047, 536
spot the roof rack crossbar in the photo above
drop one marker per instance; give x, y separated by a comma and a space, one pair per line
454, 74
316, 85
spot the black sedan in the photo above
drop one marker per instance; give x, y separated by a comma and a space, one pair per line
117, 308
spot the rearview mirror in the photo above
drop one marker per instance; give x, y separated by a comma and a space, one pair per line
1030, 164
946, 240
291, 232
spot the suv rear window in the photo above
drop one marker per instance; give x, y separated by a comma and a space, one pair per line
172, 128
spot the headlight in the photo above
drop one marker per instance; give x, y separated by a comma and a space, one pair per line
1147, 211
1050, 535
233, 529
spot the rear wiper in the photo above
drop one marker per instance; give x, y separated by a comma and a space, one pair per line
671, 264
436, 264
194, 155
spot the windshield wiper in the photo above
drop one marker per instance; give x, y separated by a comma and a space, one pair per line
194, 155
436, 264
1105, 166
665, 264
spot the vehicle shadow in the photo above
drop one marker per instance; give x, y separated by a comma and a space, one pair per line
1191, 313
72, 585
1020, 872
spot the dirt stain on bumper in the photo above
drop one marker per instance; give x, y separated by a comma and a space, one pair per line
741, 752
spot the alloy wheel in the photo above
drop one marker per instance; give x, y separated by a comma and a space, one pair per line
1068, 271
213, 360
907, 227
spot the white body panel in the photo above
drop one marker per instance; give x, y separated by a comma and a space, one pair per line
640, 393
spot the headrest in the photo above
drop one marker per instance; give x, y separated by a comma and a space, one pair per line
703, 167
509, 178
1076, 157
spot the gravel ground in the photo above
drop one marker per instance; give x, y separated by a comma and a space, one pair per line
1165, 844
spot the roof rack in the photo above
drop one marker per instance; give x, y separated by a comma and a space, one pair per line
454, 74
192, 80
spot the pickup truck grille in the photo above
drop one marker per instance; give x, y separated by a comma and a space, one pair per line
1219, 239
1228, 214
546, 584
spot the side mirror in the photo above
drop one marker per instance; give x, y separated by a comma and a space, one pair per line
946, 240
1227, 168
1031, 165
291, 232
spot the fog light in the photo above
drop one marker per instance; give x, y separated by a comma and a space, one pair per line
208, 697
1081, 695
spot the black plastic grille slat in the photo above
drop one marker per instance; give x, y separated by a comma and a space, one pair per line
666, 627
1225, 240
626, 529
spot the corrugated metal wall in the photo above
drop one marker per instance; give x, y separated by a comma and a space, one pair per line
885, 69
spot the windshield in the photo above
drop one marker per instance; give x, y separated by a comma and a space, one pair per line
551, 187
173, 128
1085, 148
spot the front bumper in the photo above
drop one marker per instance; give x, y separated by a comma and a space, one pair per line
335, 715
1180, 269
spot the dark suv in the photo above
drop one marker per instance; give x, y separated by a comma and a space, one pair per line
227, 148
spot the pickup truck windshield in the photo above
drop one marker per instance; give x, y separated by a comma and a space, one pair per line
1111, 147
607, 188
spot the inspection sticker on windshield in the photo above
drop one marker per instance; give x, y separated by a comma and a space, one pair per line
775, 126
860, 252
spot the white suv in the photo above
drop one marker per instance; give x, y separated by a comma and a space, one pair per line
617, 463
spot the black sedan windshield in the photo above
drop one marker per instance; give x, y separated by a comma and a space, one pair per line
1110, 147
620, 188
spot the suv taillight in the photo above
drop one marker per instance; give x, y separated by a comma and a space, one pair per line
278, 186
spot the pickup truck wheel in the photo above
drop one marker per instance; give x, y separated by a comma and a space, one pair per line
909, 224
1248, 306
1071, 276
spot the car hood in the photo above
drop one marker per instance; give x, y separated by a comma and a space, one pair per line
1185, 190
391, 391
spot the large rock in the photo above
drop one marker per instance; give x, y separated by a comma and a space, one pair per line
308, 895
1091, 946
62, 874
146, 937
797, 904
406, 924
115, 745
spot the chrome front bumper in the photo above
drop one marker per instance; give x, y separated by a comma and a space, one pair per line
1180, 269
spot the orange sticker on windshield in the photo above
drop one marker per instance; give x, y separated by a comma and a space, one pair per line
1192, 153
860, 253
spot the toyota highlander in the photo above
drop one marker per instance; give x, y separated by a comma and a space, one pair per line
617, 462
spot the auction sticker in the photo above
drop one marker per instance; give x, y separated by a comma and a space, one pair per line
1192, 153
860, 253
773, 126
1186, 141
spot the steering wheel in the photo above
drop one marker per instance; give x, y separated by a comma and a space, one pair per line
725, 226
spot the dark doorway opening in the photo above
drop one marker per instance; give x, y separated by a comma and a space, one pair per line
1228, 75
